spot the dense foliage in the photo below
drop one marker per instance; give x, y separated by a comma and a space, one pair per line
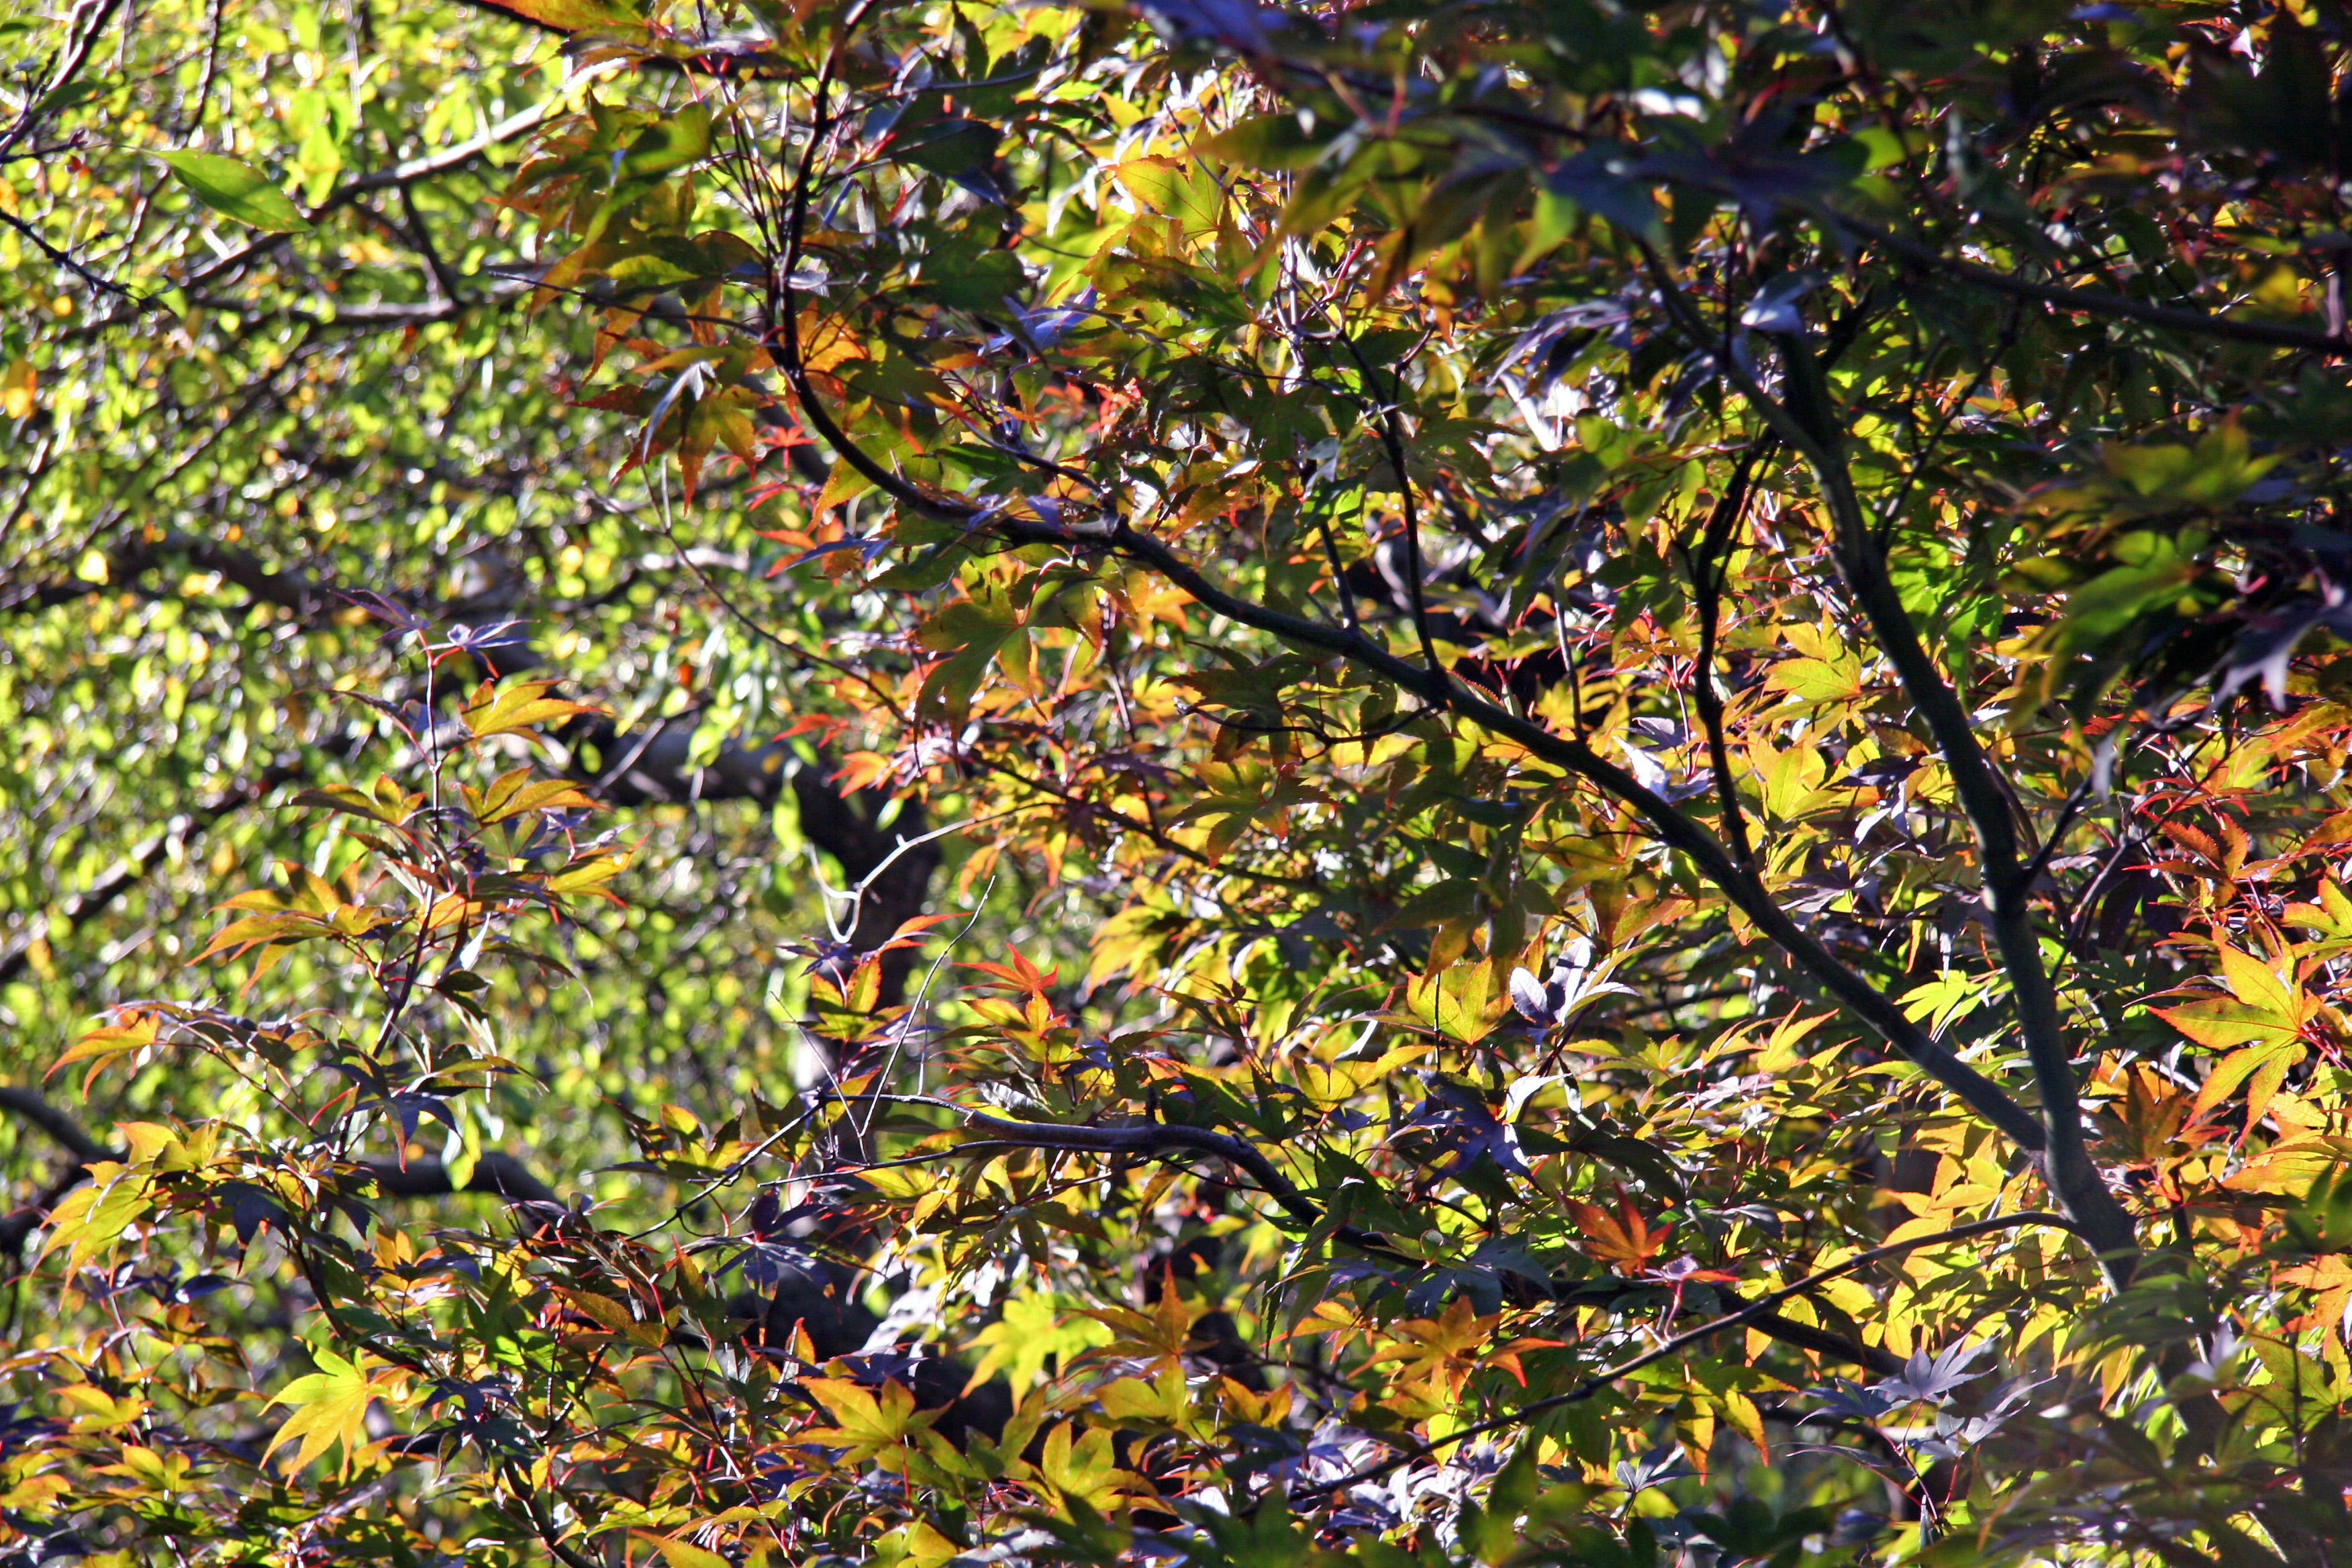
1552, 783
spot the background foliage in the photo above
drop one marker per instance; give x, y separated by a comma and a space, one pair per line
946, 784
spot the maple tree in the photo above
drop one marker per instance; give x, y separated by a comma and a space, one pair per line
1554, 783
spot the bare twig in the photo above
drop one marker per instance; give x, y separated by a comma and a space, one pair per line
1706, 569
65, 258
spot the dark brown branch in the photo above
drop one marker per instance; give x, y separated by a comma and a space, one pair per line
1819, 1341
503, 1174
2096, 302
1668, 824
134, 558
1152, 1138
1165, 1138
497, 1172
1391, 414
75, 54
31, 1105
1805, 417
542, 1524
1706, 569
1753, 1313
61, 256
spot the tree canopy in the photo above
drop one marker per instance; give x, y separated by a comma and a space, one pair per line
943, 783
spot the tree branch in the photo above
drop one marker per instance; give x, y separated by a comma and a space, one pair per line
1706, 584
1165, 1138
503, 1174
65, 258
643, 766
1806, 418
294, 591
1389, 412
497, 1172
423, 166
31, 1105
1750, 1313
75, 55
2097, 302
1667, 823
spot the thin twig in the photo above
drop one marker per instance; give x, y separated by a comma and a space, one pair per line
65, 258
1706, 569
1392, 420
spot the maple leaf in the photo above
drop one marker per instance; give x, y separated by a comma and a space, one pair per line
1018, 974
1445, 1349
1623, 1241
331, 1406
518, 706
1084, 1469
875, 1429
2329, 1278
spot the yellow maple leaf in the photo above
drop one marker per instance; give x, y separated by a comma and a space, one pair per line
329, 1407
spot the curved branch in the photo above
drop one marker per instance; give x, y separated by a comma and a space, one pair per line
1808, 1337
2097, 302
31, 1105
1805, 417
1391, 412
1707, 570
1667, 824
503, 1174
1752, 1313
1168, 1138
1148, 1139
